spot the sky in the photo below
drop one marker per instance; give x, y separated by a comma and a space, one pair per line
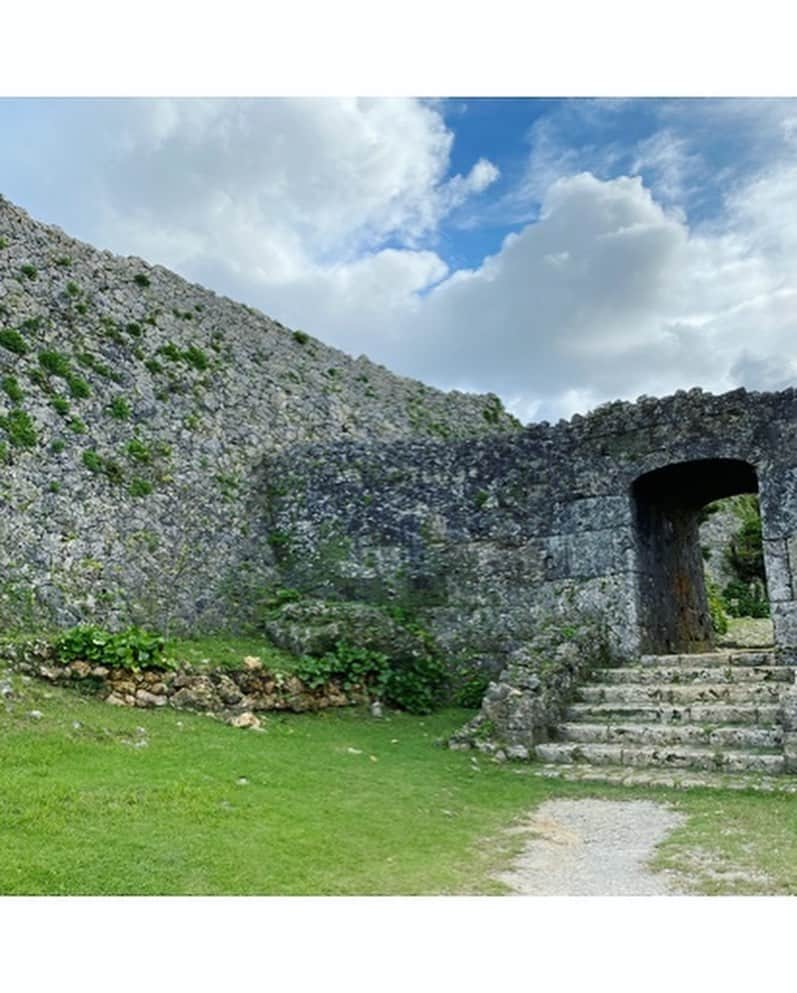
557, 252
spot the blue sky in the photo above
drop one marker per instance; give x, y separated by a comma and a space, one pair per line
560, 253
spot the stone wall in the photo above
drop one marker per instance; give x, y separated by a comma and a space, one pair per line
484, 537
235, 695
135, 413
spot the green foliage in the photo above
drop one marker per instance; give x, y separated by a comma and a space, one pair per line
134, 329
417, 685
57, 446
716, 607
19, 428
29, 271
12, 389
54, 487
300, 337
746, 599
193, 356
31, 324
120, 408
55, 363
72, 289
196, 357
349, 666
129, 649
3, 243
13, 341
469, 684
92, 461
745, 555
64, 261
492, 412
139, 487
78, 387
153, 365
76, 426
140, 279
61, 404
138, 451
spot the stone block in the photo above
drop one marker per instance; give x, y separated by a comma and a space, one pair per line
778, 570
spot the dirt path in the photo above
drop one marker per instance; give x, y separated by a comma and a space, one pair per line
593, 848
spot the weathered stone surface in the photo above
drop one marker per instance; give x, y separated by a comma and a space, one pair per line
164, 522
316, 627
245, 720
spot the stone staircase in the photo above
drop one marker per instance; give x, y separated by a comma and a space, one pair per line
718, 712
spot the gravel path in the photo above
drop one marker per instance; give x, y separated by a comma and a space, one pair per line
593, 848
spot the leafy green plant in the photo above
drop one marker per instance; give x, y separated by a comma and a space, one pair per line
61, 404
196, 357
55, 363
140, 279
138, 451
72, 289
120, 408
19, 428
417, 685
139, 487
78, 387
350, 666
131, 648
57, 446
29, 271
13, 341
12, 389
300, 337
92, 461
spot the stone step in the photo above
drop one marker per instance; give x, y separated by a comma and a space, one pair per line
695, 674
678, 694
673, 756
724, 658
662, 713
722, 736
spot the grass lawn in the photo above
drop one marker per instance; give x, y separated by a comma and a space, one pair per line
102, 800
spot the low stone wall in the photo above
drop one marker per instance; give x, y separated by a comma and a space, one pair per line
530, 696
234, 695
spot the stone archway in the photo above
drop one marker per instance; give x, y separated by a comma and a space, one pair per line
673, 608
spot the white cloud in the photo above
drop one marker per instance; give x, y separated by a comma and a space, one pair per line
326, 214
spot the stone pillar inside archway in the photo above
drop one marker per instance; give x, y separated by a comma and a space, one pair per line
673, 608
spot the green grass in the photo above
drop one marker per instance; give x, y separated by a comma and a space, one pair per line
228, 651
104, 800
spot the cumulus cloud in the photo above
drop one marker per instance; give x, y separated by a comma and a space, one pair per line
328, 215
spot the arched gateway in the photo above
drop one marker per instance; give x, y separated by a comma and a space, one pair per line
487, 540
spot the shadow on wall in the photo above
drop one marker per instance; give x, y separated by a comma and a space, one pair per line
674, 610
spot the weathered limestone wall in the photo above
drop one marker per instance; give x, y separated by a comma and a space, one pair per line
135, 410
485, 536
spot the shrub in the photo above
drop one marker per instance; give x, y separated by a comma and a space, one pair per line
128, 649
140, 487
78, 387
57, 446
300, 337
120, 409
61, 404
12, 389
73, 289
19, 428
138, 451
417, 685
716, 608
29, 271
351, 667
55, 363
92, 461
13, 341
196, 357
141, 280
